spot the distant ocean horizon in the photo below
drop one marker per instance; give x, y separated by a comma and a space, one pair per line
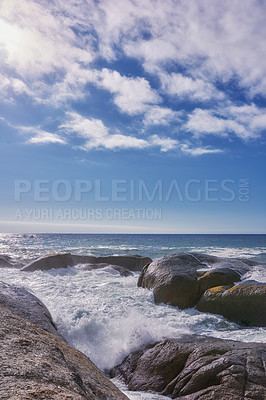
29, 246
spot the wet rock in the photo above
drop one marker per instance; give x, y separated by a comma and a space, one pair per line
37, 365
197, 368
218, 277
243, 303
90, 267
180, 279
50, 261
133, 263
27, 306
9, 262
64, 260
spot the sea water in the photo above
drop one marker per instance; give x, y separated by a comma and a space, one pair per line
107, 316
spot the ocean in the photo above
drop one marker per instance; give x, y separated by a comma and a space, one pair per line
106, 316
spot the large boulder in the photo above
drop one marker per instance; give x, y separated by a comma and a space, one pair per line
197, 368
27, 306
37, 365
133, 263
64, 260
9, 262
180, 279
243, 303
50, 261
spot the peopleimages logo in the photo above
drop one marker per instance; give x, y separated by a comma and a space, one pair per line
123, 190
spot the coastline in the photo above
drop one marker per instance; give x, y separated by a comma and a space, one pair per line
87, 303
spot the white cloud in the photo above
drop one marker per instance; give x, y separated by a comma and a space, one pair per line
131, 95
250, 116
160, 116
247, 121
165, 143
154, 50
209, 39
39, 136
183, 86
203, 122
259, 122
98, 136
118, 141
198, 151
11, 87
35, 41
47, 49
84, 127
35, 134
44, 137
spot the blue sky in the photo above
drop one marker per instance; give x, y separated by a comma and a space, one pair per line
158, 105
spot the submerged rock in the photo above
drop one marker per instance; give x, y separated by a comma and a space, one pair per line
90, 267
64, 260
244, 303
9, 262
180, 279
50, 261
37, 365
197, 368
133, 263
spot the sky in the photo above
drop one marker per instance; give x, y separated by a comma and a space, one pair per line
133, 116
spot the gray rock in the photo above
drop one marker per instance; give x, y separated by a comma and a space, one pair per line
198, 368
9, 262
37, 365
180, 279
218, 277
90, 267
243, 303
64, 260
50, 261
133, 263
27, 306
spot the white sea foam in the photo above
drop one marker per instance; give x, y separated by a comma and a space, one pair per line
107, 316
137, 395
258, 273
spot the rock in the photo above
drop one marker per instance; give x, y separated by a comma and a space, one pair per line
198, 368
180, 279
27, 306
89, 267
243, 303
9, 262
218, 277
50, 261
133, 263
64, 260
36, 365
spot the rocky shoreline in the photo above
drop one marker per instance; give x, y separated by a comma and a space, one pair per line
37, 363
211, 284
197, 367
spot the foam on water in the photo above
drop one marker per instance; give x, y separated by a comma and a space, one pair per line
107, 316
258, 273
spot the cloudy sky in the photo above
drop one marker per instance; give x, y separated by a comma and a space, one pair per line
170, 95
